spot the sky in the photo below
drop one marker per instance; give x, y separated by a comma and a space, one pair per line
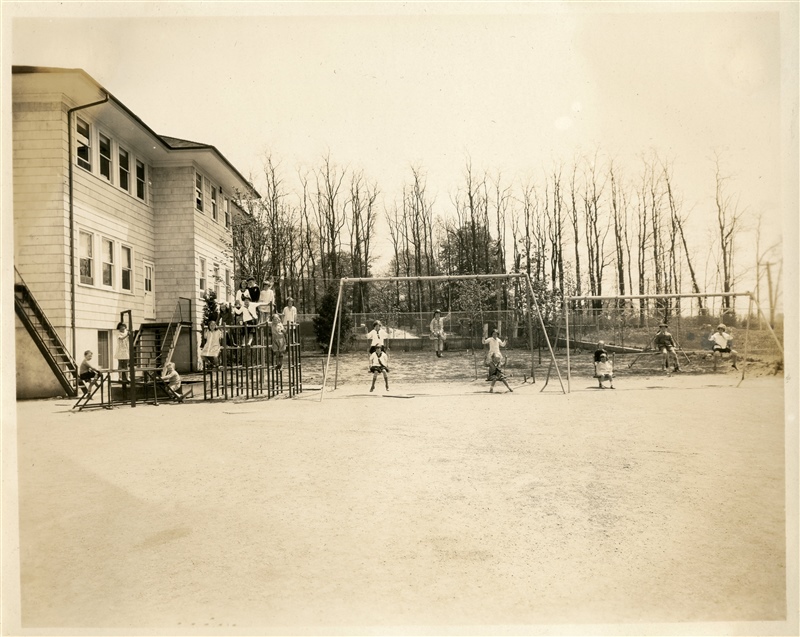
513, 88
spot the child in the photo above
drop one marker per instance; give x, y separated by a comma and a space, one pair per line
123, 351
209, 348
88, 373
496, 371
171, 378
666, 345
278, 340
722, 345
249, 319
289, 313
375, 337
437, 331
601, 349
604, 371
494, 344
379, 363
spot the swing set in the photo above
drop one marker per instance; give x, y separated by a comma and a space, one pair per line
532, 303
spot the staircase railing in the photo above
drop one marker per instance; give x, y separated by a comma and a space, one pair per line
68, 380
180, 315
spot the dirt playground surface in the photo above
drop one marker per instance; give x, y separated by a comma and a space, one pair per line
432, 508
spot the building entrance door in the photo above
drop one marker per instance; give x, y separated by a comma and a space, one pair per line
149, 291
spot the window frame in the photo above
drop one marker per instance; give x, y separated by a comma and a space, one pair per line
202, 279
122, 268
126, 172
141, 180
199, 195
90, 258
214, 204
80, 161
108, 159
111, 264
226, 205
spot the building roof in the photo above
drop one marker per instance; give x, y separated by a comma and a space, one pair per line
170, 144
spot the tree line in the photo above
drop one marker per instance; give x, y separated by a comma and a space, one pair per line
583, 228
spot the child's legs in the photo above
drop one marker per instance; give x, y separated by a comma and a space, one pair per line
385, 378
123, 369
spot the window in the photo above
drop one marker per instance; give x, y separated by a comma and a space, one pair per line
226, 204
105, 157
227, 284
202, 274
148, 278
198, 191
127, 269
140, 181
213, 203
86, 255
104, 349
84, 150
108, 262
124, 170
216, 280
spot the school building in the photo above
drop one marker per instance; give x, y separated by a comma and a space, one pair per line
109, 218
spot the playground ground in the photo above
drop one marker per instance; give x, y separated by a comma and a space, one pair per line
656, 508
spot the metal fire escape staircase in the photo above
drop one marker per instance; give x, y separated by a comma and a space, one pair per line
45, 336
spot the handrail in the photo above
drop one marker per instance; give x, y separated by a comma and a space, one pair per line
43, 318
172, 332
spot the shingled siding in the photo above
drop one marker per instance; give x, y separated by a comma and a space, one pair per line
106, 211
41, 230
173, 198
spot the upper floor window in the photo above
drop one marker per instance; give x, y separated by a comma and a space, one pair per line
86, 256
226, 204
127, 268
198, 191
141, 175
84, 150
105, 157
124, 170
214, 203
202, 274
108, 262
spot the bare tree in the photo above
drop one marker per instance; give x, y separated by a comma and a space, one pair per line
362, 226
729, 218
619, 215
575, 217
330, 216
677, 220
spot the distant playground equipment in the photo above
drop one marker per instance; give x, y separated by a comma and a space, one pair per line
628, 325
525, 289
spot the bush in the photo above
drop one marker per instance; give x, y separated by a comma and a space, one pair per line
323, 322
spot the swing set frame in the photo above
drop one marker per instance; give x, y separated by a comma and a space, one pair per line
532, 303
752, 301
